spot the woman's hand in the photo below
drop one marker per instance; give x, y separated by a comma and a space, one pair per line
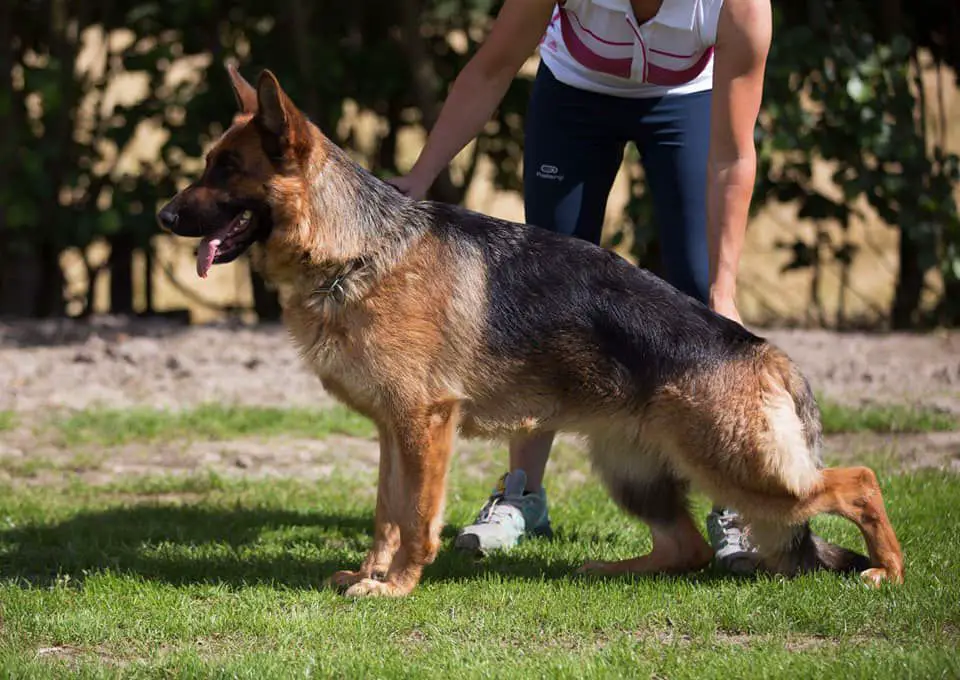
411, 186
726, 306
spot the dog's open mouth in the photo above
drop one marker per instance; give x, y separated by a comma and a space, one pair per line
227, 243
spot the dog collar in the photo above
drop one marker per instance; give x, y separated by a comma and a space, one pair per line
334, 286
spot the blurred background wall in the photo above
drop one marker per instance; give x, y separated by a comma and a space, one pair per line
107, 107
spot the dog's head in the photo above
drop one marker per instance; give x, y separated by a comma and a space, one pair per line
229, 207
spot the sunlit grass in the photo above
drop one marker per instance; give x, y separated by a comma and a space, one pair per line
210, 421
202, 576
887, 419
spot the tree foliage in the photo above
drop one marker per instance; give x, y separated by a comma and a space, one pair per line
840, 88
844, 88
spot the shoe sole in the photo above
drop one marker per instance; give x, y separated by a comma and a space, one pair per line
739, 565
470, 543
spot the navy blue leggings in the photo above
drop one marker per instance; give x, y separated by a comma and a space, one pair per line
573, 148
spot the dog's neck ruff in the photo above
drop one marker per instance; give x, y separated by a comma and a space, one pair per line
334, 287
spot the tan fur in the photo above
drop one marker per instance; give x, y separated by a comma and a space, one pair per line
405, 347
782, 439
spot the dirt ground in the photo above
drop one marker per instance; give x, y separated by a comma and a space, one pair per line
52, 365
121, 363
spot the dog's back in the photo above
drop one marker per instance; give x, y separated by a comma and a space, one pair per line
571, 320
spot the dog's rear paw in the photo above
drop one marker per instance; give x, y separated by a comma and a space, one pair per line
345, 579
369, 587
878, 575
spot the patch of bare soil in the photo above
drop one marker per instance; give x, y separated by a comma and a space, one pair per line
52, 365
905, 368
71, 655
65, 364
910, 451
35, 456
111, 362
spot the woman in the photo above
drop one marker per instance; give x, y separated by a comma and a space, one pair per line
683, 80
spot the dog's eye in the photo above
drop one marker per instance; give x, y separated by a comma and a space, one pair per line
228, 162
222, 168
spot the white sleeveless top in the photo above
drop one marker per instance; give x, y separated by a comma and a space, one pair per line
597, 45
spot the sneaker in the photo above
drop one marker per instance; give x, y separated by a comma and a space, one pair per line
510, 515
731, 546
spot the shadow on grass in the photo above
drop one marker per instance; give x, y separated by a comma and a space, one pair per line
197, 545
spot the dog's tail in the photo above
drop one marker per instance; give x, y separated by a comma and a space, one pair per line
803, 551
805, 405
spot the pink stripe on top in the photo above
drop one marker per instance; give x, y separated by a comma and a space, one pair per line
583, 54
671, 54
658, 75
596, 45
592, 34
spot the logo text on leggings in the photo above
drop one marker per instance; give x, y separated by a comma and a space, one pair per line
548, 171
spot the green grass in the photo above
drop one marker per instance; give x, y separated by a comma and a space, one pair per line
216, 422
892, 419
210, 421
28, 467
201, 576
8, 420
205, 576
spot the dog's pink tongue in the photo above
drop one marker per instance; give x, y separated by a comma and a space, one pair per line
205, 254
210, 246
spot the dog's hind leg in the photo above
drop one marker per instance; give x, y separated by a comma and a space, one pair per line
777, 493
417, 494
650, 491
853, 493
756, 447
386, 533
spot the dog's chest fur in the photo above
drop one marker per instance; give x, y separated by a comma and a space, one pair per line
331, 341
395, 340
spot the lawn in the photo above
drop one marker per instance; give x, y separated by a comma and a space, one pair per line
221, 422
210, 576
7, 421
209, 421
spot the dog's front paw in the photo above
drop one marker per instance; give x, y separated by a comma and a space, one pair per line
593, 567
369, 587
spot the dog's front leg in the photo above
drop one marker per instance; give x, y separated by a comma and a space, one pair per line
386, 533
418, 478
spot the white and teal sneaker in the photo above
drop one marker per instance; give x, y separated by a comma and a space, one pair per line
508, 516
732, 549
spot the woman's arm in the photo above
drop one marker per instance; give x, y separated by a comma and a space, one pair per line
479, 88
743, 41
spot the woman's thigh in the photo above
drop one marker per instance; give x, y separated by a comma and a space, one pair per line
571, 156
673, 137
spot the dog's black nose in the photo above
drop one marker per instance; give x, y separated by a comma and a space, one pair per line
167, 218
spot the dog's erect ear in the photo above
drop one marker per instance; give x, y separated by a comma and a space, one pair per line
275, 110
243, 91
285, 130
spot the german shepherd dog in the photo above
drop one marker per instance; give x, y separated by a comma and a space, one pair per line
432, 320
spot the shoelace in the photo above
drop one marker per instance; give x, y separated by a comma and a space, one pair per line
487, 511
732, 532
